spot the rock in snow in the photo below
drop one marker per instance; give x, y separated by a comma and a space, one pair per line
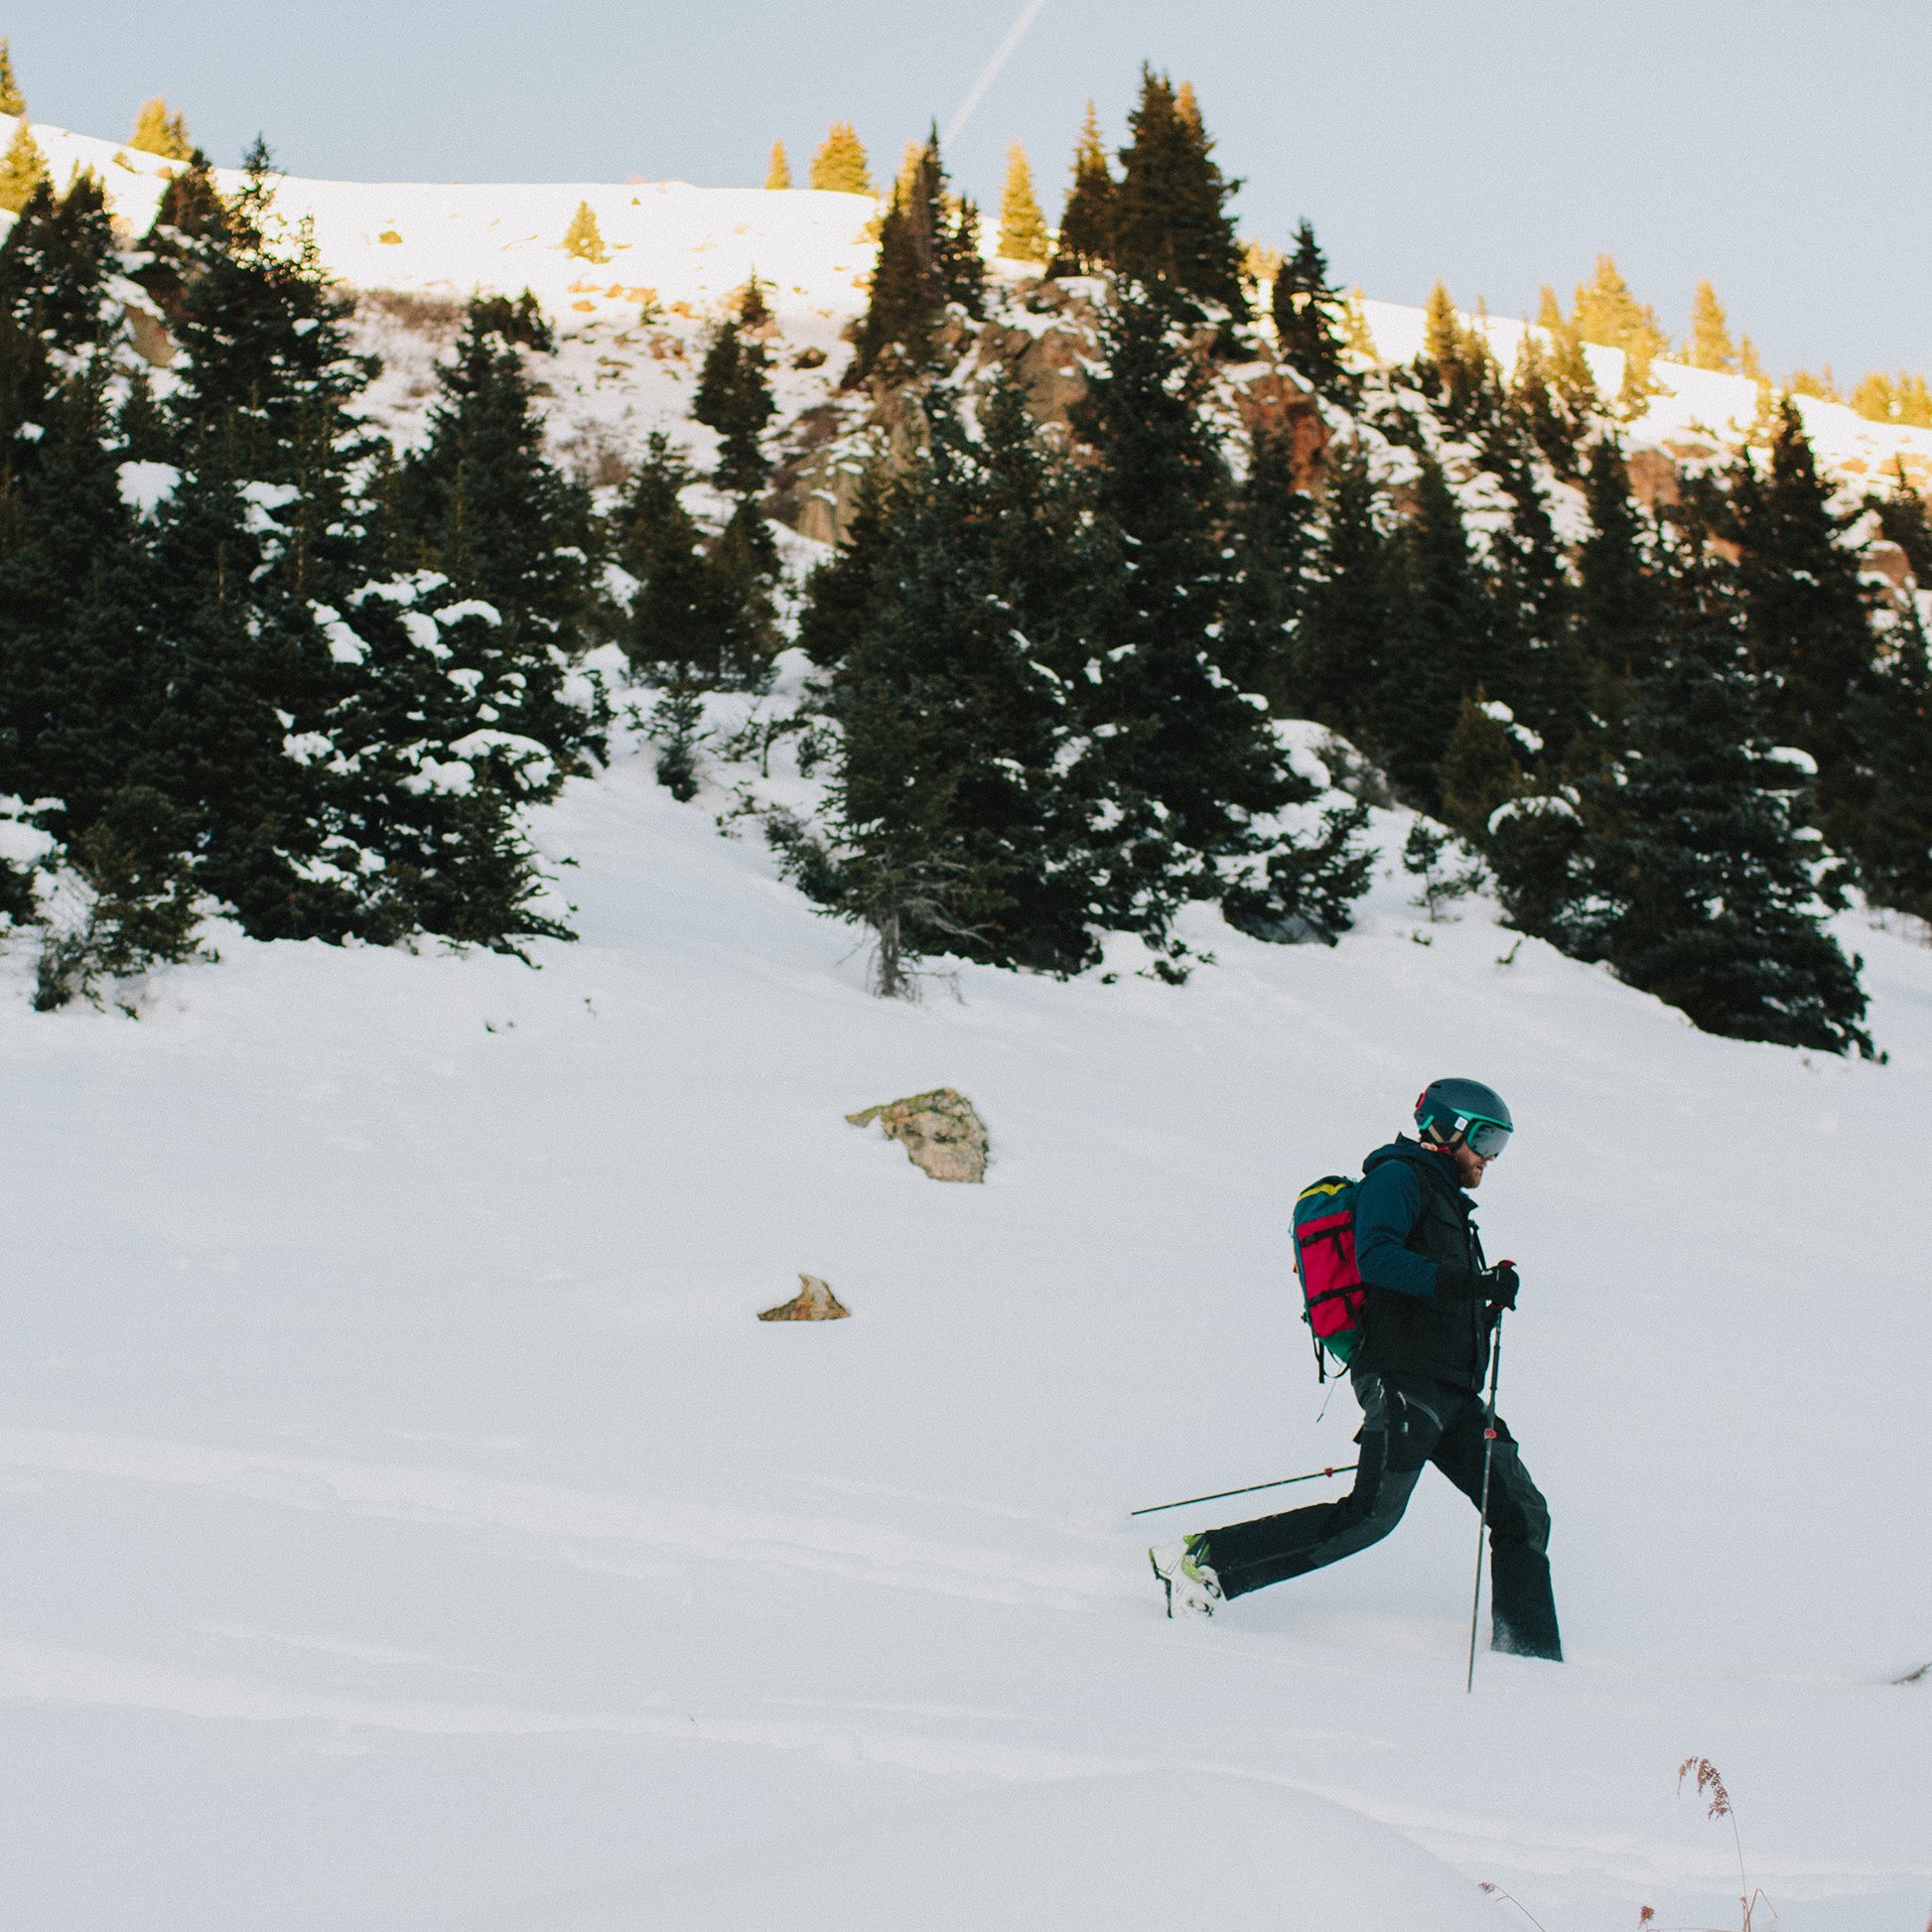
814, 1301
942, 1133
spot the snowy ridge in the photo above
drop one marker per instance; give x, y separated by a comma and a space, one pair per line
675, 252
668, 243
409, 1523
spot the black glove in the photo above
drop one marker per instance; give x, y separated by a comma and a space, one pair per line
1499, 1285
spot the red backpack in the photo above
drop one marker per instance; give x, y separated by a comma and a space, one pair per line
1324, 1259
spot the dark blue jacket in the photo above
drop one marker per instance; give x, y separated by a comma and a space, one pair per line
1418, 1253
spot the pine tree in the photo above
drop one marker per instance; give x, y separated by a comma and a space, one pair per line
690, 628
679, 616
1904, 399
1187, 763
1268, 533
54, 280
251, 534
1350, 605
1307, 890
843, 593
911, 156
12, 100
779, 174
928, 257
1481, 769
965, 818
1822, 384
190, 228
1698, 869
838, 166
485, 506
1445, 646
141, 902
1883, 818
1619, 615
1606, 313
1459, 370
1085, 243
1443, 868
1904, 519
469, 638
1808, 628
1308, 315
156, 131
1171, 223
1023, 228
957, 266
74, 597
1553, 399
734, 398
1171, 227
1709, 347
1570, 367
1538, 665
22, 169
583, 238
339, 776
894, 336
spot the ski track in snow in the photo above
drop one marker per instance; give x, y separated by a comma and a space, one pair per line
565, 1518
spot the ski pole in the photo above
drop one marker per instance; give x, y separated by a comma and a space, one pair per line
1483, 1509
1280, 1482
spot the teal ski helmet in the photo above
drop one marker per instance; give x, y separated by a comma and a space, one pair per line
1449, 1112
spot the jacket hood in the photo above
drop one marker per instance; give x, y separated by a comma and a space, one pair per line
1402, 1148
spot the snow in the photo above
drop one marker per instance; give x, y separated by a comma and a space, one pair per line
1140, 1848
410, 1526
146, 485
696, 243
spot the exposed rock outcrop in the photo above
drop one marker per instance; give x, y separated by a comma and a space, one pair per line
942, 1133
1045, 335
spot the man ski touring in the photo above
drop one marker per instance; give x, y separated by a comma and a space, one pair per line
1428, 1310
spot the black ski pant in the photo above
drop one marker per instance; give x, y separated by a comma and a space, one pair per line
1407, 1421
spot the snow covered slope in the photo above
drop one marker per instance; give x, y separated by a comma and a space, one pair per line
409, 1525
675, 251
668, 243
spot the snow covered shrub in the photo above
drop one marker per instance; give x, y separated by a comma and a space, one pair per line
1432, 855
126, 903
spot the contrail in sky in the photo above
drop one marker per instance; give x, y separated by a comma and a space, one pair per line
991, 71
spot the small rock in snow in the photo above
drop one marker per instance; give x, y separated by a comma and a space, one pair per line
942, 1133
814, 1301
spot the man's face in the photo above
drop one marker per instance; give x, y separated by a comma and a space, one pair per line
1469, 1166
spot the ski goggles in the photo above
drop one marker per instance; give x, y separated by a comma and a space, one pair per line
1486, 1138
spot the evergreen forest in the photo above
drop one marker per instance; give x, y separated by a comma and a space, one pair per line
1069, 674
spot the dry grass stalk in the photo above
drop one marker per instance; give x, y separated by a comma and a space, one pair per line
1483, 1885
1709, 1779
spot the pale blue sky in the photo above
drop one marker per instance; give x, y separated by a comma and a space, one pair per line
1781, 149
